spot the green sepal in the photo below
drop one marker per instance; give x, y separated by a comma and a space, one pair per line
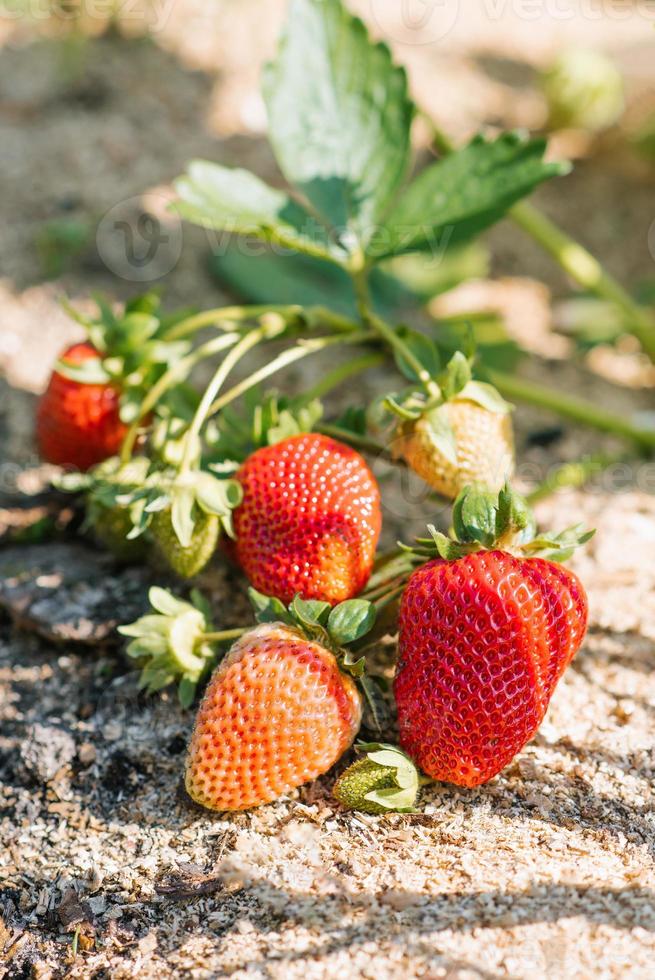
400, 409
268, 609
442, 433
483, 520
486, 396
88, 372
170, 644
456, 375
558, 547
385, 780
350, 621
334, 628
475, 513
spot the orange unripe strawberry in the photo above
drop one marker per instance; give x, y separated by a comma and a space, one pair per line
277, 713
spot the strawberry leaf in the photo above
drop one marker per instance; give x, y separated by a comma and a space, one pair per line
237, 202
339, 118
466, 192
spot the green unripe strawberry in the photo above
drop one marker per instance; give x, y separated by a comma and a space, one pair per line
189, 559
385, 780
111, 526
362, 778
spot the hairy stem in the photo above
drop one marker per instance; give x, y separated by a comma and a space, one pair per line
287, 357
570, 407
247, 342
223, 635
170, 377
574, 475
573, 258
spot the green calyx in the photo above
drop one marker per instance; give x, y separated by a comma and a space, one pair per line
486, 521
108, 489
335, 627
133, 352
454, 383
186, 497
338, 628
171, 644
384, 781
264, 421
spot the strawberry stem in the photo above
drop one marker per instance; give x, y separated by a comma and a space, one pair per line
267, 331
573, 258
290, 356
173, 376
223, 635
359, 274
575, 409
575, 474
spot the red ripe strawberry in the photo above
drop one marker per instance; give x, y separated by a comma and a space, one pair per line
78, 424
277, 713
309, 521
484, 639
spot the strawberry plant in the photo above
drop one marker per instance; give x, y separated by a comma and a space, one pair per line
487, 621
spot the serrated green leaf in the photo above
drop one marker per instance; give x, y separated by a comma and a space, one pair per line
455, 199
237, 202
423, 349
339, 117
486, 396
351, 620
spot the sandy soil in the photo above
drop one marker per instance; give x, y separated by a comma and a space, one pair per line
549, 870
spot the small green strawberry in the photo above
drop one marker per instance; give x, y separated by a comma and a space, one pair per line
385, 780
186, 513
187, 560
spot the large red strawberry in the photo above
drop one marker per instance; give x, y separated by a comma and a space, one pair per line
78, 423
485, 635
280, 709
309, 521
